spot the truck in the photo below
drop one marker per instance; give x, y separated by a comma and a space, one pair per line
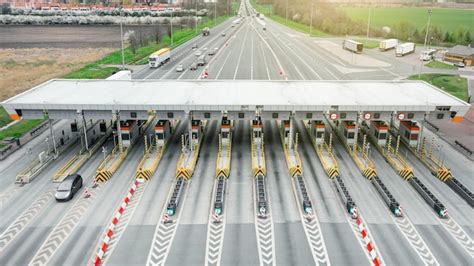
201, 61
206, 31
404, 49
388, 44
427, 55
159, 57
353, 46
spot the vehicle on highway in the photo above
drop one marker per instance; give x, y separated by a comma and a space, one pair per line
201, 60
223, 34
386, 45
193, 66
198, 53
195, 46
459, 64
206, 31
70, 185
404, 49
214, 51
353, 46
180, 68
159, 57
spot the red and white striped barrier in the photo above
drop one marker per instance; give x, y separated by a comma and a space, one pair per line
368, 242
115, 220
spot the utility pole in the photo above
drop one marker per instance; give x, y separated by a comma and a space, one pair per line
121, 39
311, 20
368, 26
171, 25
426, 38
196, 8
286, 10
215, 12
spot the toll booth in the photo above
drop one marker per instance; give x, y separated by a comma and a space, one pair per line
103, 128
286, 129
318, 130
129, 130
162, 131
257, 128
348, 130
225, 129
379, 132
197, 131
409, 132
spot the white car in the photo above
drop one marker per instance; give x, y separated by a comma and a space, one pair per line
180, 68
198, 54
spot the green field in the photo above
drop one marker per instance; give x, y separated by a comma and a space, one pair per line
454, 85
437, 64
4, 117
445, 19
17, 130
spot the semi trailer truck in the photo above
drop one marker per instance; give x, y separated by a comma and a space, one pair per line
353, 46
404, 49
159, 57
388, 44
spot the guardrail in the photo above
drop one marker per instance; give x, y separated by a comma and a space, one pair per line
464, 148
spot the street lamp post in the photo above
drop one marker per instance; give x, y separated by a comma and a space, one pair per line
215, 12
286, 10
311, 20
426, 38
171, 25
196, 24
121, 39
368, 26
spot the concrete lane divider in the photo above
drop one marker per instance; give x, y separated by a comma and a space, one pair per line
105, 242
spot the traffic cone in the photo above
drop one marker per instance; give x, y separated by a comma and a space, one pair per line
87, 193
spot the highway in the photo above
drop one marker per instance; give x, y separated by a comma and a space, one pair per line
35, 229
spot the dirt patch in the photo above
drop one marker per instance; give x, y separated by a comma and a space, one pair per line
22, 69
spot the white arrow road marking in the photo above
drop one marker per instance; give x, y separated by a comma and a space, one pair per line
164, 233
458, 233
24, 219
265, 236
313, 234
215, 234
415, 240
64, 228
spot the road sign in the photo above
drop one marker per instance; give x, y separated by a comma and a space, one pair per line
262, 211
216, 218
354, 213
166, 218
333, 116
367, 116
401, 116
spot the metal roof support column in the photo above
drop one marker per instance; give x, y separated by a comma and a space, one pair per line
190, 128
291, 133
51, 133
84, 126
119, 131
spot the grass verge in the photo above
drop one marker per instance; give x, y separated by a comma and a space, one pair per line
17, 130
441, 65
4, 117
267, 11
368, 44
452, 84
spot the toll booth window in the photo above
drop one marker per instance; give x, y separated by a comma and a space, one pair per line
133, 114
225, 135
286, 134
350, 135
376, 134
257, 134
343, 115
160, 135
275, 115
410, 115
407, 134
170, 115
440, 116
309, 115
125, 136
414, 137
382, 136
241, 115
319, 134
207, 115
376, 115
194, 135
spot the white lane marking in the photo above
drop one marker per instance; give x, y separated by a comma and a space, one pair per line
415, 240
332, 74
241, 52
8, 193
391, 72
265, 61
230, 52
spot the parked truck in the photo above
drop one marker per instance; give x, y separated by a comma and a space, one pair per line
206, 31
159, 57
353, 46
387, 44
404, 49
427, 55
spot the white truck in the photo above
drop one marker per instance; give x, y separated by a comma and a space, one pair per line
427, 55
387, 44
262, 23
353, 46
159, 57
404, 49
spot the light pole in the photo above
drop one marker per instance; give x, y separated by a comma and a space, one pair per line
368, 26
215, 12
311, 20
47, 143
426, 38
286, 10
121, 39
171, 25
196, 24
